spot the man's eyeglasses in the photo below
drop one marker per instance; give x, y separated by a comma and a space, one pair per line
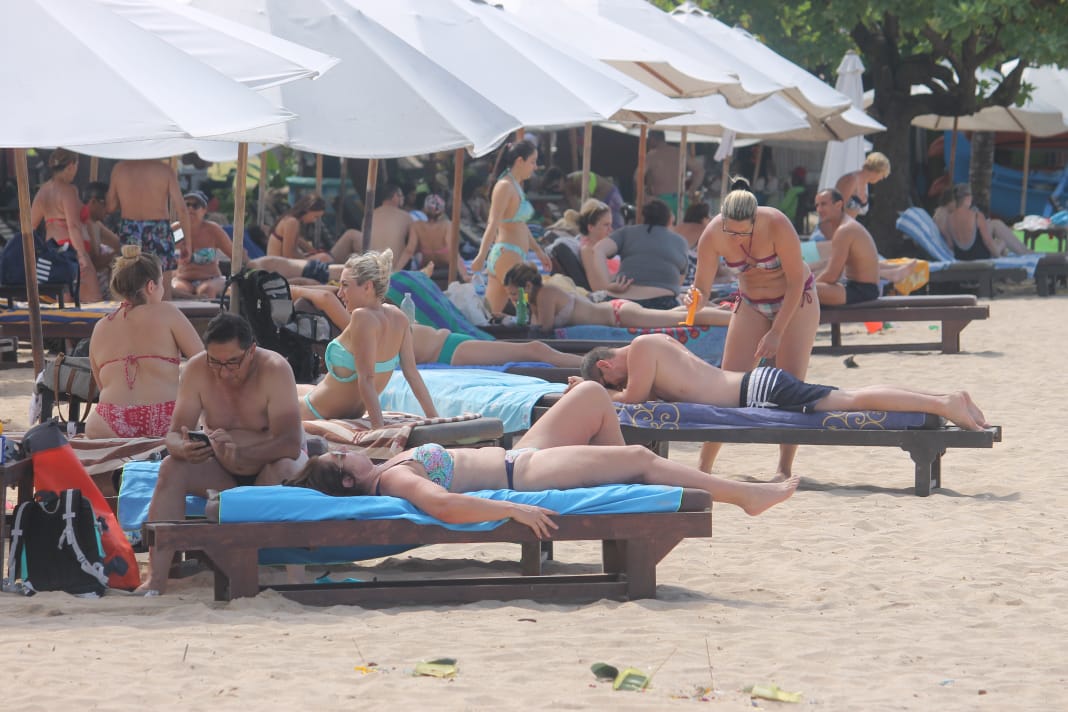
230, 364
748, 233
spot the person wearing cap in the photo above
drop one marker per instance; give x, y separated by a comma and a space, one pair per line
198, 273
430, 239
146, 193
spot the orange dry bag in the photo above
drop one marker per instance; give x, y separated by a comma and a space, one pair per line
56, 468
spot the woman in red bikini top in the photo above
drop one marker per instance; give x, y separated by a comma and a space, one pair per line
57, 204
135, 351
778, 313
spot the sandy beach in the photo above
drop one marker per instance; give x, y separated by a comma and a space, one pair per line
855, 592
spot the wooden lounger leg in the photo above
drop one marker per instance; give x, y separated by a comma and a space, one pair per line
836, 334
928, 461
951, 329
236, 572
637, 559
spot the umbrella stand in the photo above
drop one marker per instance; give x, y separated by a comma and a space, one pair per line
640, 188
1026, 168
680, 198
587, 147
369, 201
457, 206
339, 223
953, 154
239, 219
261, 201
29, 259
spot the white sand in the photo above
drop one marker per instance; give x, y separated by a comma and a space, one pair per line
855, 592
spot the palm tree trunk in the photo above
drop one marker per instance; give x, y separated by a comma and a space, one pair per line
981, 172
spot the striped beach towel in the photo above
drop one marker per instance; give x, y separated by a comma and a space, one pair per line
432, 307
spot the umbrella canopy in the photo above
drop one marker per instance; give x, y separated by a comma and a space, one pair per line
666, 69
846, 156
1036, 117
142, 87
385, 98
539, 85
810, 93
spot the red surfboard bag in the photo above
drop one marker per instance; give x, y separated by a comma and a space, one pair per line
56, 468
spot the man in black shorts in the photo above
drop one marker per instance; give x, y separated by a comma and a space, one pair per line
853, 253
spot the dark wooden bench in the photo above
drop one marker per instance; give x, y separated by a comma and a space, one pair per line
953, 311
59, 292
631, 547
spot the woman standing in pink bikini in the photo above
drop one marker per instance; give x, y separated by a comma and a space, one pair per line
778, 312
135, 352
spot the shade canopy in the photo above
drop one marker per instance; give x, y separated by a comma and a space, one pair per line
106, 79
846, 156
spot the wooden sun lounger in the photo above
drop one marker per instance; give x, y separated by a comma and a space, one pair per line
631, 547
80, 326
953, 311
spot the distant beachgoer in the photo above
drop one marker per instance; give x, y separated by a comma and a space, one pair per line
853, 255
968, 233
199, 253
507, 238
598, 187
854, 186
285, 239
391, 224
135, 352
146, 193
661, 179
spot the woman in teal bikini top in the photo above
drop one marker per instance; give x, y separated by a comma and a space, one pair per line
375, 331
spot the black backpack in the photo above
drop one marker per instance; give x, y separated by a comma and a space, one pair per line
55, 546
265, 301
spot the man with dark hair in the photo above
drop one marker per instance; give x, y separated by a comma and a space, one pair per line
853, 254
245, 398
390, 224
104, 245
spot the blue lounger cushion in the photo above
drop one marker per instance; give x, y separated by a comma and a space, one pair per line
920, 227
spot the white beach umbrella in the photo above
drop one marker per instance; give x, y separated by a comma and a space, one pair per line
666, 69
140, 87
846, 156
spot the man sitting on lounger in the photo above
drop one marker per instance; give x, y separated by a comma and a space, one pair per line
657, 367
853, 252
246, 398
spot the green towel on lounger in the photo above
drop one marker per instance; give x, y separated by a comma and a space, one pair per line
432, 307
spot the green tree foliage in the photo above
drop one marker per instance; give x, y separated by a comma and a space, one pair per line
934, 43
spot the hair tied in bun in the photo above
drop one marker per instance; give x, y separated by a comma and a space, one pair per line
131, 252
739, 183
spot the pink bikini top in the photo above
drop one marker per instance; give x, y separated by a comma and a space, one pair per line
130, 360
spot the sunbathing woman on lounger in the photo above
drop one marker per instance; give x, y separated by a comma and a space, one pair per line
577, 443
360, 362
447, 347
552, 307
135, 351
657, 367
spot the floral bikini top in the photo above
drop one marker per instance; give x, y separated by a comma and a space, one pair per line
437, 462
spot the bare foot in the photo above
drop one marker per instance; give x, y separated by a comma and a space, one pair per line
958, 412
764, 496
976, 413
148, 589
428, 269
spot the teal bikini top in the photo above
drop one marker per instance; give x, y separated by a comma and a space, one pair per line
526, 210
203, 256
337, 356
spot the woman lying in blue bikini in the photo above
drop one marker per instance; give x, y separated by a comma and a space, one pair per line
507, 238
376, 339
577, 443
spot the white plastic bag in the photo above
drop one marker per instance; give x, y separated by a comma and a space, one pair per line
470, 304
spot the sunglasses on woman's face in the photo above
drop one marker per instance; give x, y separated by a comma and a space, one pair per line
193, 206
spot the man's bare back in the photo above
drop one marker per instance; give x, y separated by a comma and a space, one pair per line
660, 368
389, 228
143, 190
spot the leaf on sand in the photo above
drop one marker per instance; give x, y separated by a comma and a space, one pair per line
442, 667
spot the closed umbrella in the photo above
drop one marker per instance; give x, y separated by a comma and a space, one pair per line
846, 156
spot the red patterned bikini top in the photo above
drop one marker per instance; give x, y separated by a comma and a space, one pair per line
130, 361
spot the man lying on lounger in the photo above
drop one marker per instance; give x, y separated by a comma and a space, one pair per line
657, 367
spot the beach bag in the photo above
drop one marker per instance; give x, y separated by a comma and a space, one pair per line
55, 264
265, 301
55, 545
56, 468
71, 377
914, 280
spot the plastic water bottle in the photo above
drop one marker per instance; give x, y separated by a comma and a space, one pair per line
478, 281
522, 309
408, 307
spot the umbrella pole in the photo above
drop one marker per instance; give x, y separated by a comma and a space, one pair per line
639, 202
572, 144
239, 219
339, 224
725, 180
457, 205
29, 259
261, 201
953, 154
319, 190
587, 146
1026, 169
94, 168
680, 198
369, 201
756, 166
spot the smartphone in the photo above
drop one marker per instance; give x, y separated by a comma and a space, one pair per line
179, 235
199, 436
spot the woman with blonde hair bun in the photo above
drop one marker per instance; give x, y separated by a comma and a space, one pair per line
361, 360
135, 352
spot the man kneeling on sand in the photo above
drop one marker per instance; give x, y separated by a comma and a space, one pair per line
246, 398
657, 367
